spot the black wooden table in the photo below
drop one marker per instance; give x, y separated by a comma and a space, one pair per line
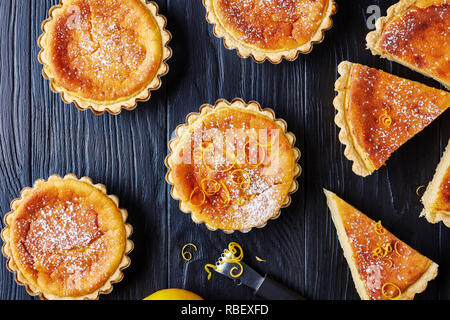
40, 135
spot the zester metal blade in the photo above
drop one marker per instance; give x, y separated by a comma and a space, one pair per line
249, 277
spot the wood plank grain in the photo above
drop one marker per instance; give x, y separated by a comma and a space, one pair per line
15, 118
40, 135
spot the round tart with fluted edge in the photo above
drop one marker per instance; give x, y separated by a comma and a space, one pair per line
271, 29
233, 166
65, 238
101, 61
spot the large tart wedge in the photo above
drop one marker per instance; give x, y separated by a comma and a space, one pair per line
65, 238
233, 166
270, 29
105, 55
416, 33
436, 199
382, 266
378, 112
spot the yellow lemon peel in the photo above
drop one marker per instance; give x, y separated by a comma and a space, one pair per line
186, 254
396, 249
192, 195
418, 188
259, 259
236, 256
205, 188
391, 296
379, 229
385, 119
207, 266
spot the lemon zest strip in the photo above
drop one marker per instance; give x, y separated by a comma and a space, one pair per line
260, 259
186, 254
192, 194
391, 297
207, 266
418, 188
396, 249
379, 229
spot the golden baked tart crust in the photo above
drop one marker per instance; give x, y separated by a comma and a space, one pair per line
382, 266
436, 198
98, 59
415, 33
65, 238
272, 29
242, 183
378, 112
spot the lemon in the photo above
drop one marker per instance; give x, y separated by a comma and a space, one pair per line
173, 294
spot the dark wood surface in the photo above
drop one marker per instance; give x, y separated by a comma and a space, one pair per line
40, 135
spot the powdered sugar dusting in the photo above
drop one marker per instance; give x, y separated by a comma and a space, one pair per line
266, 172
421, 38
102, 51
60, 242
400, 265
410, 106
273, 24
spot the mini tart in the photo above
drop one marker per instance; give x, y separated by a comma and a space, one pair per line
246, 183
382, 266
378, 112
436, 198
415, 33
99, 60
270, 29
65, 238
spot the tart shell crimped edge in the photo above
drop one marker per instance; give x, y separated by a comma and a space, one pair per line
345, 137
432, 191
374, 37
236, 103
107, 287
260, 56
115, 108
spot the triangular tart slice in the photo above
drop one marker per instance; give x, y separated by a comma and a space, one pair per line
378, 112
415, 33
382, 266
436, 199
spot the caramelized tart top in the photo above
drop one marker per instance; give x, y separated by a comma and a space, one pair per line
67, 237
386, 265
419, 37
384, 111
233, 169
103, 51
272, 25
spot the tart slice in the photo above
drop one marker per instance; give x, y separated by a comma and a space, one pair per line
415, 33
65, 238
104, 55
436, 199
382, 266
378, 112
270, 29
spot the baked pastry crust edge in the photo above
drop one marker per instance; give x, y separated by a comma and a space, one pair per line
431, 192
260, 56
373, 37
107, 287
238, 104
360, 167
131, 102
